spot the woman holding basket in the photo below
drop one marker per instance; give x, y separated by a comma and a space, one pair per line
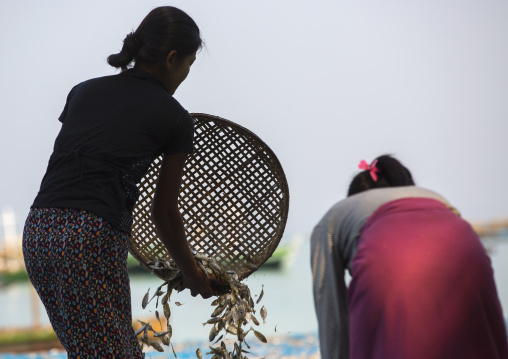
113, 127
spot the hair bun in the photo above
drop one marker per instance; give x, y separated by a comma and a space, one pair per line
129, 52
131, 45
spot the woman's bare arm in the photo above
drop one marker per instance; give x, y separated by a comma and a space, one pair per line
169, 224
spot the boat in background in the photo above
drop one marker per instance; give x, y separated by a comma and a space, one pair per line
490, 229
284, 256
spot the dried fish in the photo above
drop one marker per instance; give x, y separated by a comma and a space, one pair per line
251, 302
261, 294
160, 334
158, 318
222, 336
165, 340
259, 335
159, 291
201, 256
170, 331
145, 299
148, 326
215, 351
213, 333
254, 320
233, 308
155, 345
164, 299
216, 268
202, 268
237, 349
263, 313
167, 311
218, 310
212, 321
231, 330
140, 330
242, 334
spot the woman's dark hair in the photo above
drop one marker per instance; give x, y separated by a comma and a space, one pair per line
164, 29
390, 173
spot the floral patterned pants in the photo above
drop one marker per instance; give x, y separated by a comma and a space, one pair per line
77, 262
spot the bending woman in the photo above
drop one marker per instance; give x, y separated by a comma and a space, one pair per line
422, 284
113, 127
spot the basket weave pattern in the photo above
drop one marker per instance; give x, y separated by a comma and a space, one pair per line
234, 199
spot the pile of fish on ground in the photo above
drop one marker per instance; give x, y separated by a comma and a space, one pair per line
233, 311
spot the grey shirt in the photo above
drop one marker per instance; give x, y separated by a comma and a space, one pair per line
334, 242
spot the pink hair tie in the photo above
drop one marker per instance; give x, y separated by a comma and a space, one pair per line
371, 168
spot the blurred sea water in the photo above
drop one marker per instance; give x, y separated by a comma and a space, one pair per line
287, 297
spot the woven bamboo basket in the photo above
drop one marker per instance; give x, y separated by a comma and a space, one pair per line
234, 199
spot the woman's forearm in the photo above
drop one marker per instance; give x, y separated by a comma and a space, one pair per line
171, 231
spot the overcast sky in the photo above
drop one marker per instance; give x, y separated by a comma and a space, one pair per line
323, 83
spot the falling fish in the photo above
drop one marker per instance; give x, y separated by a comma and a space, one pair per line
140, 330
213, 333
155, 345
215, 351
218, 310
259, 335
164, 299
212, 321
160, 334
170, 331
165, 340
254, 320
261, 294
222, 336
234, 309
167, 311
145, 299
263, 313
158, 318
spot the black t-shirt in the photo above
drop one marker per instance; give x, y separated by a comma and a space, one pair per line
113, 127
